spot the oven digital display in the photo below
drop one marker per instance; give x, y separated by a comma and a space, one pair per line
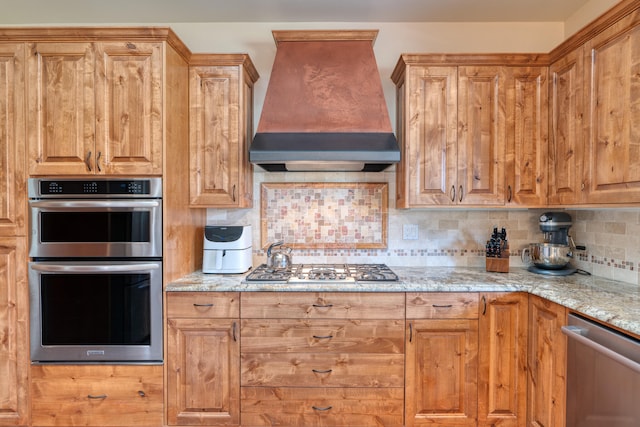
105, 187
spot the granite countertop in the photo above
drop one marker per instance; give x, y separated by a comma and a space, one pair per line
615, 303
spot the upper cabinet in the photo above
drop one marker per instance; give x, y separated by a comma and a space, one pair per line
612, 170
95, 108
566, 111
220, 130
527, 136
470, 134
12, 151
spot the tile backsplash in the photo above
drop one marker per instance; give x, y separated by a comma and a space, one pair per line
457, 236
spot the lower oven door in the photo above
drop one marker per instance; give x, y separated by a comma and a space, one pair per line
98, 311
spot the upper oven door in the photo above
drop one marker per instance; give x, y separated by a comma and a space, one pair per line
96, 228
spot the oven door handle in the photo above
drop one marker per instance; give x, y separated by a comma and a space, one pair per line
57, 268
573, 332
57, 204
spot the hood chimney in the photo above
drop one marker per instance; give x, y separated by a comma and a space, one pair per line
324, 108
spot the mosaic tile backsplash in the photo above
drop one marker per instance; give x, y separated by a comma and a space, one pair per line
324, 215
456, 237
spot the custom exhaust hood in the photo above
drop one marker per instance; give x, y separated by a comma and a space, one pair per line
324, 108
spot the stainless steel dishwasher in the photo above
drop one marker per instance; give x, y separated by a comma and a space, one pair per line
603, 376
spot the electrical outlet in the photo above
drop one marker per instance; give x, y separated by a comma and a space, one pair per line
410, 232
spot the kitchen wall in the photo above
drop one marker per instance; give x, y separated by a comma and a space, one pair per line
446, 237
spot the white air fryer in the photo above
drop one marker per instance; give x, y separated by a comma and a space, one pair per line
227, 249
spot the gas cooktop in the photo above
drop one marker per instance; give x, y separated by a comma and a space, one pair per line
323, 273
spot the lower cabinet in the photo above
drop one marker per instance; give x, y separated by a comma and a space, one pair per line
203, 359
14, 332
96, 395
441, 359
547, 363
502, 360
322, 359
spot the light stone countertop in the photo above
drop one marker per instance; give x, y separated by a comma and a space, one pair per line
612, 302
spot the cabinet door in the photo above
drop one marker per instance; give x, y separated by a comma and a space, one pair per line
129, 108
203, 372
481, 135
566, 129
429, 170
547, 364
12, 144
613, 167
441, 372
61, 120
215, 141
14, 332
502, 371
527, 136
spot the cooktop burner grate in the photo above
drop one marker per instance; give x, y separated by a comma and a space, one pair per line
324, 273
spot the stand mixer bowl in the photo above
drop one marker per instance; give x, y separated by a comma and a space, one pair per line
549, 256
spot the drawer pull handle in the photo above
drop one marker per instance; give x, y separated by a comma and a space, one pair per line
324, 408
202, 305
442, 305
322, 371
142, 393
323, 337
97, 396
323, 305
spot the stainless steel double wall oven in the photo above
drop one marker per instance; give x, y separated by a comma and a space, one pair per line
95, 275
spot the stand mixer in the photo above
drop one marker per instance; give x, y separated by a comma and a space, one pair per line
553, 256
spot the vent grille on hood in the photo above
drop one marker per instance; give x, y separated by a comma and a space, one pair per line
324, 108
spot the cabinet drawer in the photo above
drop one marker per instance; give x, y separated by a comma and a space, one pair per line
427, 305
90, 395
203, 304
319, 407
322, 335
322, 369
310, 305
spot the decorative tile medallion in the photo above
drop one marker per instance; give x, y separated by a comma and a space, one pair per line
324, 215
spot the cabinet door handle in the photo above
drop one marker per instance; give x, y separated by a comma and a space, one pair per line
323, 305
442, 305
233, 332
410, 332
97, 396
509, 193
323, 337
87, 161
452, 193
460, 195
98, 161
323, 408
484, 305
202, 305
233, 193
322, 371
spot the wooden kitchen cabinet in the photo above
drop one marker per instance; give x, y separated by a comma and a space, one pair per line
13, 189
220, 130
527, 136
441, 368
95, 108
203, 359
612, 169
96, 395
322, 359
547, 364
471, 134
14, 332
566, 111
502, 360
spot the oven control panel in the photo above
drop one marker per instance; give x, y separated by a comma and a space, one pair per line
107, 187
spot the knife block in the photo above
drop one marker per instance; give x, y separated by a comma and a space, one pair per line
498, 265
